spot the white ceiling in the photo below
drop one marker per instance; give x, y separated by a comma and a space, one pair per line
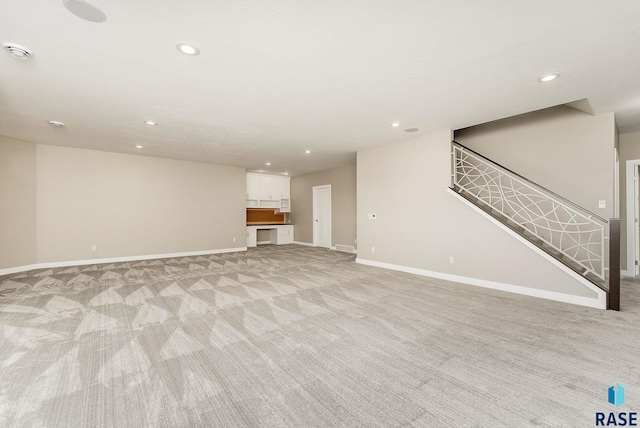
276, 77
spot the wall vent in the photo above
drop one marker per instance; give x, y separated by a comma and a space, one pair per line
345, 248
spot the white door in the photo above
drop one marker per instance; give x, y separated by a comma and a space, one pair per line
636, 216
322, 216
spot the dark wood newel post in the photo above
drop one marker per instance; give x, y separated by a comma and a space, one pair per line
614, 265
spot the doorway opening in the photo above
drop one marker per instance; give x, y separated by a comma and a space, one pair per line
633, 217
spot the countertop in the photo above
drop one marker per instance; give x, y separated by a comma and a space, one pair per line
269, 224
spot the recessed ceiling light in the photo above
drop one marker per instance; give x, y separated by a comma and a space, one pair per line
150, 122
395, 124
18, 51
85, 10
286, 173
411, 130
56, 123
268, 163
188, 48
307, 151
261, 170
139, 147
548, 77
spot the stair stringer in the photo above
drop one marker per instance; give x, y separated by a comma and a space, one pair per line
599, 302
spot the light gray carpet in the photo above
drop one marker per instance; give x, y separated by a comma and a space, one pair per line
300, 337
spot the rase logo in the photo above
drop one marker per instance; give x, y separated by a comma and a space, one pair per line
615, 397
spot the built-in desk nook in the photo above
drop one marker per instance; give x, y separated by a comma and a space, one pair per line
275, 222
278, 234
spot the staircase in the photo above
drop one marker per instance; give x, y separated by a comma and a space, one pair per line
569, 233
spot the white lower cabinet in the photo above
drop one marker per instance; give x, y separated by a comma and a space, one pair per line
252, 236
280, 234
285, 235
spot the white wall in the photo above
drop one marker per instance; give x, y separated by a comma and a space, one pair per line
125, 205
133, 205
17, 203
629, 150
565, 150
420, 225
343, 204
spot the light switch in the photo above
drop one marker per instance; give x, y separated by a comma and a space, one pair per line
601, 204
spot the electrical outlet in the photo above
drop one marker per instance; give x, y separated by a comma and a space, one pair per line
373, 249
451, 259
234, 239
94, 248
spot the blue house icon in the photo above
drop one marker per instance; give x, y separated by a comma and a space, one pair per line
616, 395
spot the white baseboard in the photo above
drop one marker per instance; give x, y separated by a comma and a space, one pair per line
263, 242
599, 303
602, 295
17, 269
627, 273
308, 244
116, 260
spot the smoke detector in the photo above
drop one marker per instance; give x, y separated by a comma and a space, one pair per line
18, 51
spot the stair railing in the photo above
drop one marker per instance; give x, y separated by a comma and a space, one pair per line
575, 232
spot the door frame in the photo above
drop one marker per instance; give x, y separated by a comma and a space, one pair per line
314, 217
631, 169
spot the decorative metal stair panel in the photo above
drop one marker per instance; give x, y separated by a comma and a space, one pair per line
571, 234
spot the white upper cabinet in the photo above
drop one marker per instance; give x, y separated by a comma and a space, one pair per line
286, 189
268, 191
253, 186
270, 187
